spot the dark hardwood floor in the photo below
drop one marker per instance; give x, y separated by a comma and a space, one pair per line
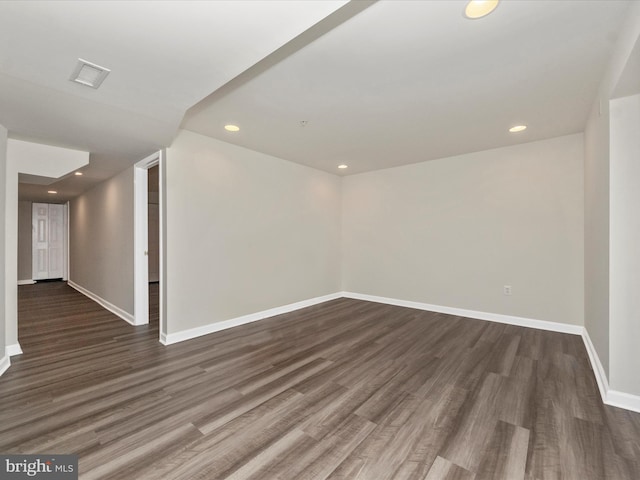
342, 390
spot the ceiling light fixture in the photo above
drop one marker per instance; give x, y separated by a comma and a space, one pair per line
89, 74
480, 8
518, 128
343, 166
79, 174
52, 192
232, 128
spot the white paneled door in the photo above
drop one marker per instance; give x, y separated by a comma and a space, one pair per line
40, 219
48, 241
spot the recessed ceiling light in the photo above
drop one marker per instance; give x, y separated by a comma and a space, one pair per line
79, 174
51, 191
517, 128
232, 128
89, 74
343, 166
480, 8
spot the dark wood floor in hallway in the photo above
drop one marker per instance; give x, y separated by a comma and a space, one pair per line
342, 390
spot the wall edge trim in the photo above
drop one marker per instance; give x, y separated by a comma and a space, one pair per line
171, 338
5, 363
460, 312
596, 366
623, 400
124, 315
13, 349
613, 398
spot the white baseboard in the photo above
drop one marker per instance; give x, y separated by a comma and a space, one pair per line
5, 363
126, 316
623, 400
596, 366
491, 317
26, 282
12, 350
176, 337
610, 397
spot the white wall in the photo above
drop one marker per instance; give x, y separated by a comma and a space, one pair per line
3, 170
25, 247
101, 240
596, 230
625, 245
11, 247
453, 232
246, 232
597, 193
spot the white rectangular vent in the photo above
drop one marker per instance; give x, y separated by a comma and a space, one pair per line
89, 74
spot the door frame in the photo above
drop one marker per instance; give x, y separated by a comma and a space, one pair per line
141, 243
67, 234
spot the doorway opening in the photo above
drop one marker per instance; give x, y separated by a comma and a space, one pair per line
153, 242
148, 243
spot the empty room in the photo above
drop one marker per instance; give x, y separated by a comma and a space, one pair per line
320, 239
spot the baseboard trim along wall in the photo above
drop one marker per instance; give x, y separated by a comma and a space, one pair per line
126, 316
610, 397
491, 317
11, 350
623, 400
26, 282
183, 335
596, 366
5, 363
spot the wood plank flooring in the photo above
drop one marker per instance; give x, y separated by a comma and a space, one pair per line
342, 390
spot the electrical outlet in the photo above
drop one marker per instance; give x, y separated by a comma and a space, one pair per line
507, 290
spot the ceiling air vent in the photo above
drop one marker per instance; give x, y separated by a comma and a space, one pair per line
89, 74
